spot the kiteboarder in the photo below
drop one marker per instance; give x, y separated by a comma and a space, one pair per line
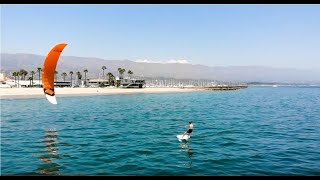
190, 129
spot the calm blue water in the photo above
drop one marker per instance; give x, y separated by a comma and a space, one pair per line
254, 131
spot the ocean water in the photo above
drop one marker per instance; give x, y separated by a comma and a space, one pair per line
253, 131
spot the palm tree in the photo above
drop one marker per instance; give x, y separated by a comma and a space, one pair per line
32, 73
112, 79
55, 75
121, 71
64, 76
23, 74
130, 72
15, 74
85, 77
39, 69
18, 73
30, 78
103, 68
71, 78
79, 76
110, 76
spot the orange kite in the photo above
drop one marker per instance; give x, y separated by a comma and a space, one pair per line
48, 72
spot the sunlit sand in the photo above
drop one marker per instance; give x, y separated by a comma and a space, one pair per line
38, 92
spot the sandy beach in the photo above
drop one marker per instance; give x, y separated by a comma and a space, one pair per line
11, 93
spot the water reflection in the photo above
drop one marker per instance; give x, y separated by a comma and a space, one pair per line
186, 147
50, 155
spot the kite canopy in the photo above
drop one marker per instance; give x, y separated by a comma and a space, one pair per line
48, 71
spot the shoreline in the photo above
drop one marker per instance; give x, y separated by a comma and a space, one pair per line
17, 93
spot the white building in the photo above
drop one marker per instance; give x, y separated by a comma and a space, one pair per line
2, 76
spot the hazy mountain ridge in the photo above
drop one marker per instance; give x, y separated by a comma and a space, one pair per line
14, 62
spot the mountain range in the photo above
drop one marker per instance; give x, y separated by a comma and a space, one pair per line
29, 62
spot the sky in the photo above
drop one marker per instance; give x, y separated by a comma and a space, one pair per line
280, 36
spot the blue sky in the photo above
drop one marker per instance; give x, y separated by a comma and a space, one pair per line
213, 35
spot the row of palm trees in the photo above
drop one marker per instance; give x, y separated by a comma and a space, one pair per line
22, 74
